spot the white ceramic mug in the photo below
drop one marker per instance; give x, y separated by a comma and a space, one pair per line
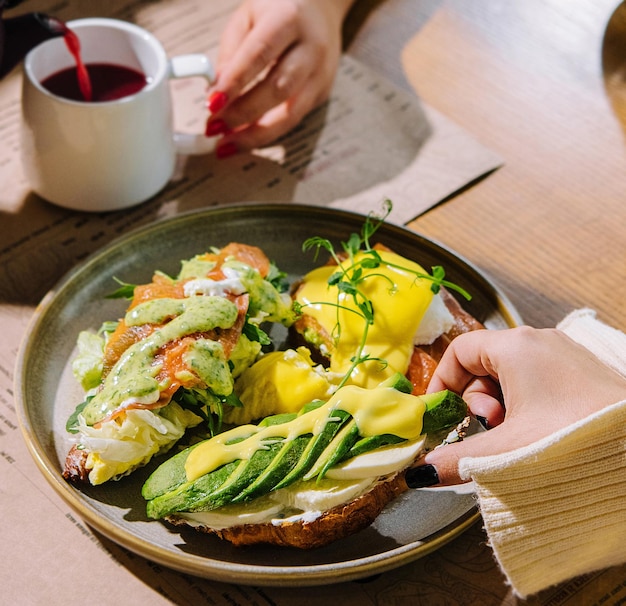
101, 156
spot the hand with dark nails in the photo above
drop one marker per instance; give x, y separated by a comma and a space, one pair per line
525, 384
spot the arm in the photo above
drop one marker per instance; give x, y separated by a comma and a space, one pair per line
557, 509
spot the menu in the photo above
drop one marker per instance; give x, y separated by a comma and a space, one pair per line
370, 141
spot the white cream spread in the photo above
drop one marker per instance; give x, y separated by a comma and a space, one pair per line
436, 321
216, 288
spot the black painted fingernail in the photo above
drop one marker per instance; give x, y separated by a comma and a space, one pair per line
421, 477
483, 421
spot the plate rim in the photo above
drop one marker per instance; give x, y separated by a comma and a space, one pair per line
224, 571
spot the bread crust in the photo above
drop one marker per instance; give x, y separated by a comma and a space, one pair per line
336, 523
76, 466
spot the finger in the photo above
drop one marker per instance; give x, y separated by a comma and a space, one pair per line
275, 123
260, 134
232, 37
287, 79
258, 50
484, 399
443, 463
465, 359
236, 30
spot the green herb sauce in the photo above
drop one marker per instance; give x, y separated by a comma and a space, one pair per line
134, 374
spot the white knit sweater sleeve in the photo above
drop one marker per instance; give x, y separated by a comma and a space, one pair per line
557, 508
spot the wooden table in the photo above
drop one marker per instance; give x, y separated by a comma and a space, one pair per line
543, 83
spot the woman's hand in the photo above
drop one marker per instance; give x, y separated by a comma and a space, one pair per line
525, 384
277, 62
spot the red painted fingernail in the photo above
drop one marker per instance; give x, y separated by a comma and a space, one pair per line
215, 127
217, 101
226, 149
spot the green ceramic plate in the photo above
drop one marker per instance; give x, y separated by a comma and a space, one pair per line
415, 524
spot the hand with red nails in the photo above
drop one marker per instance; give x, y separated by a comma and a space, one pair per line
525, 383
277, 61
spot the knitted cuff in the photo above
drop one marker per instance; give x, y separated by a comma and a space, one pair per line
557, 508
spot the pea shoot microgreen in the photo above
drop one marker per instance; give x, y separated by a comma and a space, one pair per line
350, 276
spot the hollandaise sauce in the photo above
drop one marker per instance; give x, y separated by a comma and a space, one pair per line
399, 299
303, 451
378, 411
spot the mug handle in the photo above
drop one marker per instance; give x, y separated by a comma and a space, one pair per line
188, 66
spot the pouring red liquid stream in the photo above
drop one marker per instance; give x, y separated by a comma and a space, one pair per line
73, 45
96, 81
